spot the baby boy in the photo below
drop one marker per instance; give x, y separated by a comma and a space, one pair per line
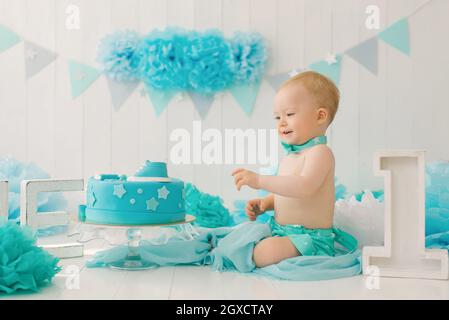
302, 194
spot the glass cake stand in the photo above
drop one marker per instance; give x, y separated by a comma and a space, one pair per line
133, 260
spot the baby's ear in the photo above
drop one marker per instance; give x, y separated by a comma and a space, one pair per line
322, 115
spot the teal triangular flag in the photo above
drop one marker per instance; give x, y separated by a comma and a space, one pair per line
246, 96
332, 71
366, 53
81, 77
159, 98
397, 35
7, 38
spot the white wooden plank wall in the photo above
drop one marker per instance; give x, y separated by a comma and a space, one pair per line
405, 106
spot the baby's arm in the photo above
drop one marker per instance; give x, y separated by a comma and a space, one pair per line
317, 164
269, 202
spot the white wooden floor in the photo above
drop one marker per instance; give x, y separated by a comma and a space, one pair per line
195, 282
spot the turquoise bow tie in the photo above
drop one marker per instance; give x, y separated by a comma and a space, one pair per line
295, 148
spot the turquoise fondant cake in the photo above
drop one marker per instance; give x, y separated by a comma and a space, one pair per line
148, 197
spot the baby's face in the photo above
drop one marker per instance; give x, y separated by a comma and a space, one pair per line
296, 114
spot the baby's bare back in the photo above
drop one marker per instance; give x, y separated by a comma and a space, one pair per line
315, 211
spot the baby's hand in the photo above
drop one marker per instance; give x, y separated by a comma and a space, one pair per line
254, 208
244, 177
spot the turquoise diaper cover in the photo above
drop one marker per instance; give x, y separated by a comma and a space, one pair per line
314, 242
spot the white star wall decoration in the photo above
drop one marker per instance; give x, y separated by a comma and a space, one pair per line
331, 59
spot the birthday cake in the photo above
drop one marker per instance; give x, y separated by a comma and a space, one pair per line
148, 197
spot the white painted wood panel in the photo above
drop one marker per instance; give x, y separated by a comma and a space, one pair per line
125, 123
13, 125
153, 130
236, 17
208, 15
180, 111
97, 123
40, 97
372, 102
345, 129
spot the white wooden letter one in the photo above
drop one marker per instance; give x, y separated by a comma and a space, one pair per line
404, 253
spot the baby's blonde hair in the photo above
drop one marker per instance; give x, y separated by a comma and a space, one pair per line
323, 89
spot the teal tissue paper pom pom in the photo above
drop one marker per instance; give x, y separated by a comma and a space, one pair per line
208, 210
437, 197
175, 59
15, 171
118, 55
212, 63
165, 63
340, 190
23, 265
250, 56
377, 194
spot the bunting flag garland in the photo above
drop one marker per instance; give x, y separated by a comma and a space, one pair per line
120, 92
82, 76
8, 39
397, 36
202, 103
329, 69
159, 99
246, 96
36, 58
366, 54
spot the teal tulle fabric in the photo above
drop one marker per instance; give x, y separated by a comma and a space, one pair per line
231, 249
208, 210
23, 265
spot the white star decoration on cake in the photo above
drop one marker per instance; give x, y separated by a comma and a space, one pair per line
331, 59
119, 190
162, 193
152, 204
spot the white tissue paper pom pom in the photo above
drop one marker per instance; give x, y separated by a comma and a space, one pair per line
363, 219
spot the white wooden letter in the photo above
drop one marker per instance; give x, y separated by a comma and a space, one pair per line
28, 201
404, 253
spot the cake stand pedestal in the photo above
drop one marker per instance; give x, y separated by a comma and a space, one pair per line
133, 260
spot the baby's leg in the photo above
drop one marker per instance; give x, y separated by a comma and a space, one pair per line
273, 250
